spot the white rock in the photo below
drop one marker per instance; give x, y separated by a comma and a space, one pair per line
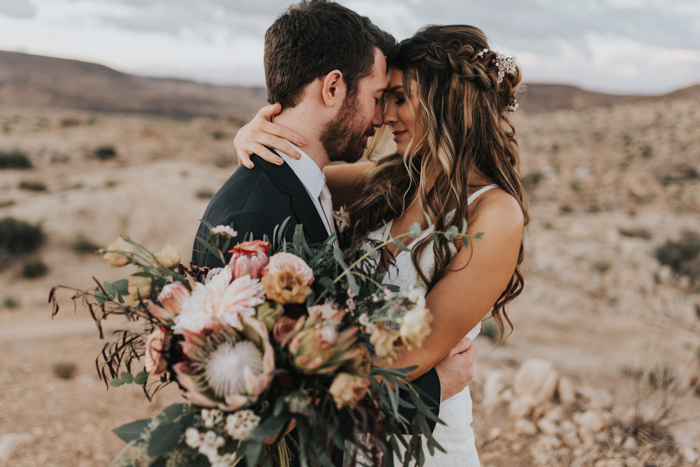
507, 395
492, 388
550, 441
630, 444
571, 439
634, 462
10, 442
556, 414
590, 420
587, 438
548, 427
537, 378
567, 392
521, 406
525, 428
494, 433
598, 399
690, 454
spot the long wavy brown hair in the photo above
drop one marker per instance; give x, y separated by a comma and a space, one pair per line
463, 110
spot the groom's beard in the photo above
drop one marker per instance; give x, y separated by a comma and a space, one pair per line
343, 137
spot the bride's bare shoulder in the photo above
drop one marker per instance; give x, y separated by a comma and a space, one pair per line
497, 209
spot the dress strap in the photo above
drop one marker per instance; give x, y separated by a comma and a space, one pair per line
478, 193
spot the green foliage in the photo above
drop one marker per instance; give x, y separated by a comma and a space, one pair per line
65, 370
32, 185
632, 372
14, 160
81, 244
10, 302
489, 329
662, 376
636, 232
565, 209
204, 193
34, 268
683, 255
104, 153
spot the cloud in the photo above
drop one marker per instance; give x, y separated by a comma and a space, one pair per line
17, 8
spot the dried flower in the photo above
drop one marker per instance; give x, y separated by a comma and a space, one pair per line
347, 390
314, 349
415, 326
241, 424
140, 287
157, 343
342, 219
328, 312
249, 258
288, 262
113, 257
282, 328
220, 300
169, 257
286, 287
224, 368
367, 326
385, 340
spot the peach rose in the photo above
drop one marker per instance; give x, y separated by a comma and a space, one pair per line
169, 257
347, 390
114, 259
385, 340
140, 288
288, 262
415, 326
156, 344
282, 328
285, 287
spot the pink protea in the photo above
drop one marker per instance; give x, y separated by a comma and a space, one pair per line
284, 261
226, 368
171, 298
249, 258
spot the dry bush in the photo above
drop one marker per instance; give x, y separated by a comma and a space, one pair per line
82, 244
10, 303
14, 160
636, 232
104, 153
30, 185
204, 193
683, 255
65, 370
34, 268
19, 237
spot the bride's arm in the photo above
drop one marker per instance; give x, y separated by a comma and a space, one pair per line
474, 280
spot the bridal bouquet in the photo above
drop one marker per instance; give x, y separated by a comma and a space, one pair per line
282, 337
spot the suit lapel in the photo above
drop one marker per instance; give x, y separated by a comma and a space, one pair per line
302, 205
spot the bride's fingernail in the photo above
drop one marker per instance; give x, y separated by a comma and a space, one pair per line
302, 141
279, 161
297, 155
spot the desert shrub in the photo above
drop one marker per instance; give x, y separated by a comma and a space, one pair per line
65, 370
82, 244
565, 209
70, 121
19, 237
6, 203
204, 193
531, 180
601, 266
219, 135
34, 268
683, 255
574, 186
10, 302
632, 372
111, 183
678, 173
14, 160
104, 153
490, 330
647, 152
636, 232
32, 185
662, 377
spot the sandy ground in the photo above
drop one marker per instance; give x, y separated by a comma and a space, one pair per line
588, 320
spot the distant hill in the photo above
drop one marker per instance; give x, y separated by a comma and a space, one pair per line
36, 81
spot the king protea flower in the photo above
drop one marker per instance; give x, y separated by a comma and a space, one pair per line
221, 300
249, 258
226, 368
316, 347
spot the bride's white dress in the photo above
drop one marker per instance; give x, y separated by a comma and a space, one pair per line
457, 436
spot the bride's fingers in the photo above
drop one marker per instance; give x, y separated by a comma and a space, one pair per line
462, 346
281, 132
260, 150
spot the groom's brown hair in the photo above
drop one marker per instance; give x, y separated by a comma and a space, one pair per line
313, 38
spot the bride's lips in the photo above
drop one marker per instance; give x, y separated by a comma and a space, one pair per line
398, 134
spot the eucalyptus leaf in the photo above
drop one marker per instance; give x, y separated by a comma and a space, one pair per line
464, 227
127, 377
399, 244
414, 231
436, 240
121, 286
452, 233
427, 219
132, 431
465, 241
116, 382
252, 452
479, 236
109, 288
207, 224
141, 377
270, 427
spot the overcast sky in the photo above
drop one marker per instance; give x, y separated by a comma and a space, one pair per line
623, 46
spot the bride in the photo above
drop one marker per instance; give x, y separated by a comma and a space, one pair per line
456, 158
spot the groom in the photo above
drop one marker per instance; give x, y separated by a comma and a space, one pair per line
326, 65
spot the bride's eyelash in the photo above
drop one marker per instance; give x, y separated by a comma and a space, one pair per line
400, 100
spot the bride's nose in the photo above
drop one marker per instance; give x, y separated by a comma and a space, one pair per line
389, 116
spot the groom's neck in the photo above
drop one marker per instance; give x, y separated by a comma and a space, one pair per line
301, 120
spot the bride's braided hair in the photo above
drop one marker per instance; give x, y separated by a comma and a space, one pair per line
464, 98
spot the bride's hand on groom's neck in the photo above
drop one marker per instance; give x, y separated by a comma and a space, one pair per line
456, 370
260, 132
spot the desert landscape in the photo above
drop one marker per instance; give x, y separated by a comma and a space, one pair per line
602, 368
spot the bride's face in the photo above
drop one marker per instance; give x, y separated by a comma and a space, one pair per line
407, 131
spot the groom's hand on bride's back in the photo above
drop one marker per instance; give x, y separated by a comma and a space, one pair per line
456, 370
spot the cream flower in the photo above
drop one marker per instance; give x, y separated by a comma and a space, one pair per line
284, 261
169, 257
384, 339
224, 230
219, 300
347, 390
328, 311
140, 287
115, 259
415, 327
241, 424
286, 286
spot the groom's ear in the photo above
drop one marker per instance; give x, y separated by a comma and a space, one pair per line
334, 88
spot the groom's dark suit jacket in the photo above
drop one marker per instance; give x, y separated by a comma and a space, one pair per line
256, 200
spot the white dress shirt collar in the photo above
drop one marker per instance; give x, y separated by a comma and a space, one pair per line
310, 175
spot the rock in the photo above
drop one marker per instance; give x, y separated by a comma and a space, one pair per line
492, 388
590, 420
634, 462
549, 441
587, 438
525, 428
556, 414
630, 444
571, 439
608, 463
494, 433
537, 378
522, 406
507, 395
10, 442
597, 399
548, 427
690, 455
566, 391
